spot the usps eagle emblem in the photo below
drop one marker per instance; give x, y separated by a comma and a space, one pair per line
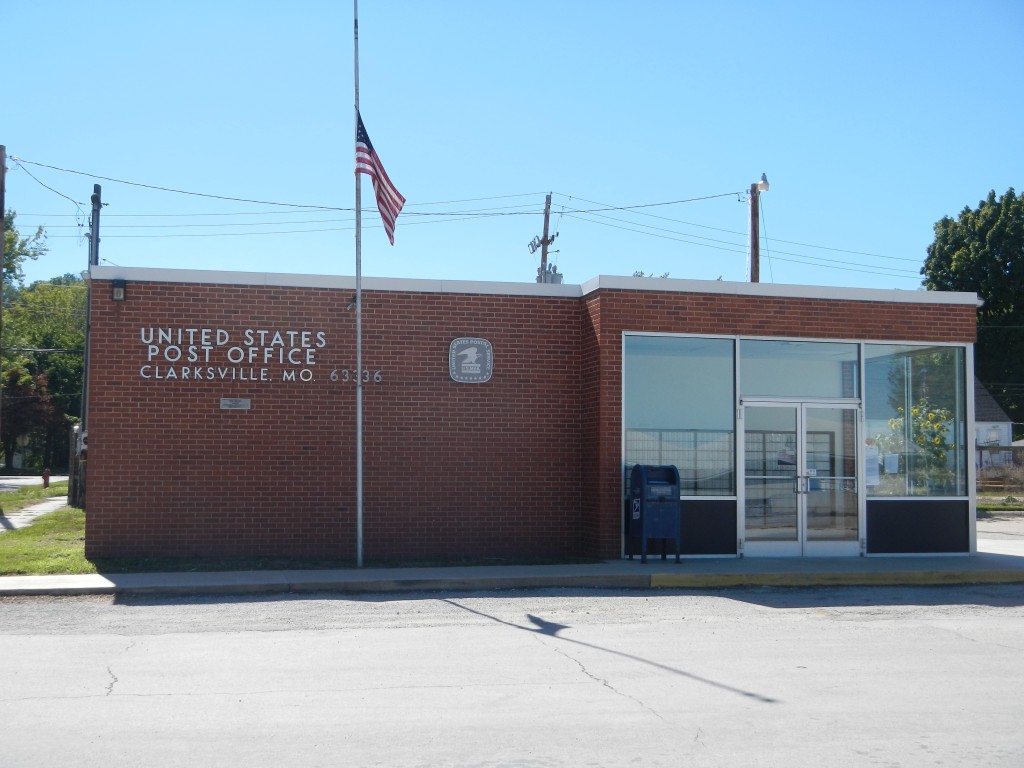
471, 360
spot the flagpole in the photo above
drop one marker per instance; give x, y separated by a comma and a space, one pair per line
359, 316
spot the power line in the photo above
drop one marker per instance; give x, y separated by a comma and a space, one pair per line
764, 224
735, 232
35, 350
20, 160
37, 181
473, 214
336, 208
366, 225
800, 258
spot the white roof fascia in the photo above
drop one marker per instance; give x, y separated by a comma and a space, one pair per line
608, 282
341, 282
779, 291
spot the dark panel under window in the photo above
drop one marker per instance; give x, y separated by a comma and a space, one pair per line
904, 526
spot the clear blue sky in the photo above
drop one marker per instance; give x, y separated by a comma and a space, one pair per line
872, 120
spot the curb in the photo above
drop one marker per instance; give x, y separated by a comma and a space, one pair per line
924, 578
98, 585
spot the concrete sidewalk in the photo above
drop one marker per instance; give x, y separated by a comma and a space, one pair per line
11, 521
23, 518
1000, 560
1006, 567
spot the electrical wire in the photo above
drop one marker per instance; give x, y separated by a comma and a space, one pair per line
472, 214
21, 160
764, 226
35, 350
37, 181
744, 234
799, 257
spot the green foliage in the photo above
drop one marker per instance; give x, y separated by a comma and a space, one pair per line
42, 362
27, 407
18, 248
929, 432
44, 330
982, 250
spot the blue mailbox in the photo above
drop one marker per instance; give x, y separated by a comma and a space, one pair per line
653, 508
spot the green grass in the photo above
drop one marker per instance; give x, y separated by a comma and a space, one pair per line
55, 543
19, 498
996, 504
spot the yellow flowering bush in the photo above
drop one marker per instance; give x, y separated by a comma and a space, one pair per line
929, 437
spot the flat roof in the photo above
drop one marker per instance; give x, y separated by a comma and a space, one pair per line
602, 282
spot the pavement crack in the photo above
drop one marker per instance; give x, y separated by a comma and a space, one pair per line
604, 682
113, 681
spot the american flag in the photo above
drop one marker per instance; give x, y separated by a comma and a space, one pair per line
389, 200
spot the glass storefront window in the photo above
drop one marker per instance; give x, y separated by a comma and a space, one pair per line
916, 420
679, 408
798, 369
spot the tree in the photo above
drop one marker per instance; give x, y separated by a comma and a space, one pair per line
18, 248
982, 250
42, 339
44, 335
27, 408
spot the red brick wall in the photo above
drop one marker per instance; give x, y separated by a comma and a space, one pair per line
722, 314
527, 465
450, 470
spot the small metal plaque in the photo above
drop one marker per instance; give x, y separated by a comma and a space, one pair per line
471, 360
235, 404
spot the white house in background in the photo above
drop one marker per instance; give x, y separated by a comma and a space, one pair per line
992, 427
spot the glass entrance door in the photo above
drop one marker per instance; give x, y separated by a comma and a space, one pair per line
800, 487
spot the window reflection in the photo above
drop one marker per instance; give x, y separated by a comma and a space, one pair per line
798, 369
915, 419
679, 409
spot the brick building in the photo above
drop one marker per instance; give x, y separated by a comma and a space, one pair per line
501, 419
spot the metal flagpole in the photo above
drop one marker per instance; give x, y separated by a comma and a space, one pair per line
359, 317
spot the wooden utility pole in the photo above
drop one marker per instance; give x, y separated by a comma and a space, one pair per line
77, 486
94, 259
755, 245
544, 242
94, 229
543, 276
755, 227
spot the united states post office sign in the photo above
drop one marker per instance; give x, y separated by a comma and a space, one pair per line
470, 360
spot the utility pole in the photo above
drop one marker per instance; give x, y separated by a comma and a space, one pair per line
543, 274
94, 259
755, 225
94, 229
77, 488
